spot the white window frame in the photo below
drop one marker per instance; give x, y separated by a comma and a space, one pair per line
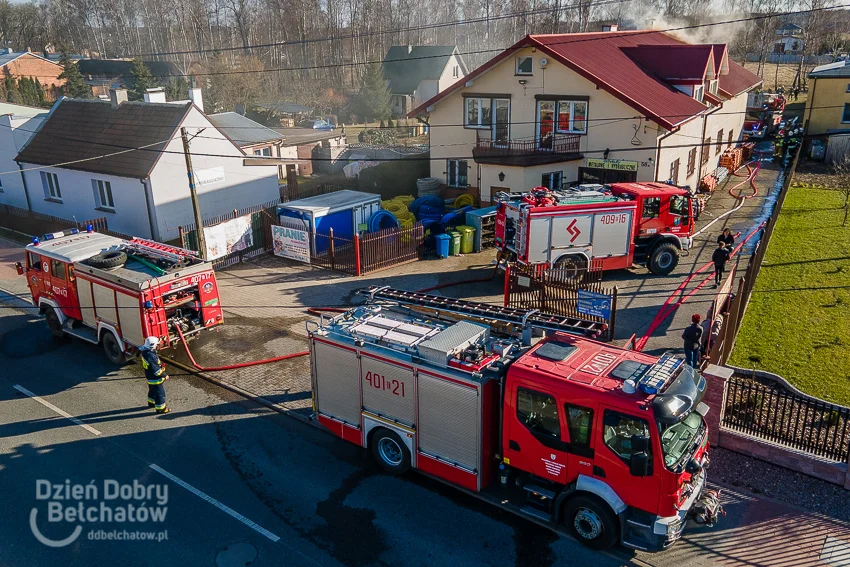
456, 71
454, 180
50, 183
519, 61
103, 198
699, 93
712, 86
479, 124
262, 152
572, 104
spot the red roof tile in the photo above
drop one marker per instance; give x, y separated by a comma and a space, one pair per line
738, 80
674, 62
602, 58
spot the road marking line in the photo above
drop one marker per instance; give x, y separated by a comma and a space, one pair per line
61, 412
216, 503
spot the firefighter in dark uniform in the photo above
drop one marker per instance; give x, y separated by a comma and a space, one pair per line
155, 374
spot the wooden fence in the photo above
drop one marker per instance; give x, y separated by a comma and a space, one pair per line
260, 236
556, 291
721, 350
364, 254
35, 224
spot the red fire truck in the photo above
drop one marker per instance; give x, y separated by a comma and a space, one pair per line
616, 226
609, 443
116, 292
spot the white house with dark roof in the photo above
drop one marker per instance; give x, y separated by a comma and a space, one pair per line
418, 73
125, 161
18, 123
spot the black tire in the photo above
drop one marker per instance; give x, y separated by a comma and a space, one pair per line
592, 522
571, 267
108, 260
390, 451
663, 259
113, 349
53, 323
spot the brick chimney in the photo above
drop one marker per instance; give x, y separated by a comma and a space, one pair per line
117, 96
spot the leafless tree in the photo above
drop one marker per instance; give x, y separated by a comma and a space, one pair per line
841, 177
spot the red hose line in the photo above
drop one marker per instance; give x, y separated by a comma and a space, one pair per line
233, 366
751, 177
669, 307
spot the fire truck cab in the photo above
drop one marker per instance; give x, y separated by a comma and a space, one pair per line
116, 292
612, 226
606, 443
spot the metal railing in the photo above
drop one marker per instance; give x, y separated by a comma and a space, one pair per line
557, 144
768, 411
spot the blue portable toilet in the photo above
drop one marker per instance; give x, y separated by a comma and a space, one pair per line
443, 241
342, 211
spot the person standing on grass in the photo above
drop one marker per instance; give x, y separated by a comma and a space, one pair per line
692, 336
727, 238
720, 257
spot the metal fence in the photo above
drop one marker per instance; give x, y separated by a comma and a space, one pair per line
35, 224
556, 291
773, 413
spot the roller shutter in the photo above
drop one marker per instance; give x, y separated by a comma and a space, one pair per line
337, 382
449, 421
388, 390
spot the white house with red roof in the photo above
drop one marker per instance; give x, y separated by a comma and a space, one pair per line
590, 108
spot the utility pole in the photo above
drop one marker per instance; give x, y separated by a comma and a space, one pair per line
193, 192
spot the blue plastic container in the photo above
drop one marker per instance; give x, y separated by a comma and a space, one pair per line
443, 241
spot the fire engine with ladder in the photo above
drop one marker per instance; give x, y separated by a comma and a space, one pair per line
521, 409
610, 226
115, 292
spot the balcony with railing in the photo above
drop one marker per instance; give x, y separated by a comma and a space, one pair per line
549, 149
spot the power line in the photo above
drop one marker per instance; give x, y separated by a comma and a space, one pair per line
422, 27
606, 36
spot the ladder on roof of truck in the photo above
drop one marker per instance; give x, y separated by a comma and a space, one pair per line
159, 250
524, 318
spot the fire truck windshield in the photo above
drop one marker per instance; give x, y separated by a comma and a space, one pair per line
678, 439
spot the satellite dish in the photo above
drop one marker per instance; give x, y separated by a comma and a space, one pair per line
543, 63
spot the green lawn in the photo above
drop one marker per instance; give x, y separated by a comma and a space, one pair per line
798, 322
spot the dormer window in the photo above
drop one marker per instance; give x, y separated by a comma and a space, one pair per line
698, 93
525, 65
712, 87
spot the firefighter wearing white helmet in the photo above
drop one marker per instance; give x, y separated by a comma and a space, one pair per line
155, 374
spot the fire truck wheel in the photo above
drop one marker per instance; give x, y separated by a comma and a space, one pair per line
390, 451
53, 323
591, 521
107, 260
571, 267
664, 259
113, 350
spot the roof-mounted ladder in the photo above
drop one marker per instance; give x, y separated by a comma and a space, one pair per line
524, 319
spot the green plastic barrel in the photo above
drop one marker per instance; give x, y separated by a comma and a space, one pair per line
467, 239
455, 249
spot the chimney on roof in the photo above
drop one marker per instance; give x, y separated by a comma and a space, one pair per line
117, 96
610, 27
409, 49
9, 50
196, 95
155, 95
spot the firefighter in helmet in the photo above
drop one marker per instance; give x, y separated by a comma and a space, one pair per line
155, 374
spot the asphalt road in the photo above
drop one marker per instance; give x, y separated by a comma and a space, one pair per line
238, 484
294, 494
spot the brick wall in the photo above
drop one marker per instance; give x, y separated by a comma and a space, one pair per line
47, 73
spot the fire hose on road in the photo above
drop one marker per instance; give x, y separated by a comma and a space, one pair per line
233, 366
750, 178
669, 306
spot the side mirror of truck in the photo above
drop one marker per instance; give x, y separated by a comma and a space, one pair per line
639, 464
19, 268
639, 443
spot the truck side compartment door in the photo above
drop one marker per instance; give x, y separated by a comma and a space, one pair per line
615, 431
535, 441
